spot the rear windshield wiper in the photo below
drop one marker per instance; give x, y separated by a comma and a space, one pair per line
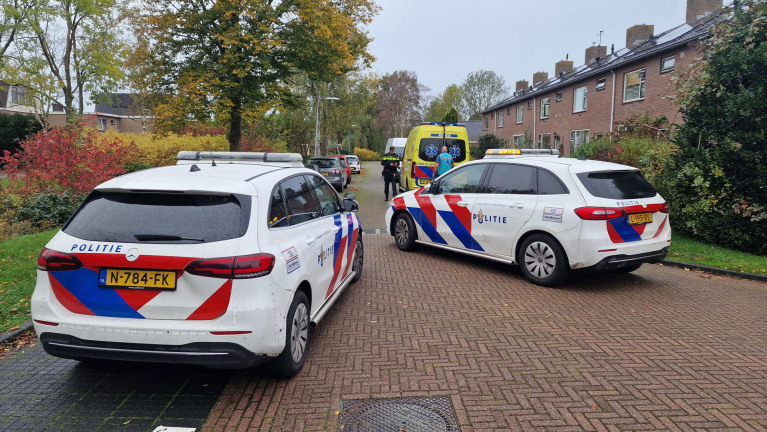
157, 237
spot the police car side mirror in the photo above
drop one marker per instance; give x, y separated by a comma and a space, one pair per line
350, 204
350, 196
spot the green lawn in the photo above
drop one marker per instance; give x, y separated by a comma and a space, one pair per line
688, 250
18, 265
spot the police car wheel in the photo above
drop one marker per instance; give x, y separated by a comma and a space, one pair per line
404, 232
543, 261
291, 360
359, 258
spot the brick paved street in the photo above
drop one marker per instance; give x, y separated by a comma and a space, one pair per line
660, 349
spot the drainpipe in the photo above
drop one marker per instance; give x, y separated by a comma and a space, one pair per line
535, 120
612, 106
495, 124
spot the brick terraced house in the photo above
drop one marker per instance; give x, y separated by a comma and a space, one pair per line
592, 100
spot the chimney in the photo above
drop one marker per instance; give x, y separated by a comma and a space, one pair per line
540, 77
697, 9
638, 34
522, 85
594, 53
563, 67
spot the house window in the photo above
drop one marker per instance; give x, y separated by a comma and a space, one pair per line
579, 99
559, 96
102, 124
57, 107
500, 118
518, 141
485, 125
529, 104
492, 116
577, 138
633, 85
545, 103
508, 111
520, 113
18, 95
598, 135
667, 64
601, 82
544, 140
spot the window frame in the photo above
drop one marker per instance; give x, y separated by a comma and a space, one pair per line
486, 123
480, 182
545, 107
489, 173
584, 98
102, 123
601, 83
530, 104
668, 69
289, 209
642, 76
514, 139
500, 119
539, 143
558, 96
573, 145
520, 114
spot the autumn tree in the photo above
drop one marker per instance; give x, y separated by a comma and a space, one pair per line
232, 57
450, 98
398, 103
73, 47
12, 16
480, 90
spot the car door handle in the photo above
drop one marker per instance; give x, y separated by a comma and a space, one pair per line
311, 240
517, 205
462, 203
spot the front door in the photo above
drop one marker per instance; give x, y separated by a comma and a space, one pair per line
453, 199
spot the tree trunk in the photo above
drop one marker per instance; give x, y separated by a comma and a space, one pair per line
235, 127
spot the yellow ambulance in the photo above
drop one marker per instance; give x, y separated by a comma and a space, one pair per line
423, 145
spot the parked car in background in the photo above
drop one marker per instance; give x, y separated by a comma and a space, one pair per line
354, 164
346, 166
199, 263
549, 215
330, 167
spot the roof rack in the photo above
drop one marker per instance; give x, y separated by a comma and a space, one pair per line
509, 153
441, 124
285, 160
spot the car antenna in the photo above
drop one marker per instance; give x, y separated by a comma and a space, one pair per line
210, 150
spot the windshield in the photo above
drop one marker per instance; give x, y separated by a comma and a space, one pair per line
159, 217
431, 147
325, 163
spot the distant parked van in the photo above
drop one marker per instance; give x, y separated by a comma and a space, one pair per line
424, 144
398, 144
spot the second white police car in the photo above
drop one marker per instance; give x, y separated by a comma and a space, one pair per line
224, 262
545, 213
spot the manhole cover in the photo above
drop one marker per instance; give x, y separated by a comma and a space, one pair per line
425, 414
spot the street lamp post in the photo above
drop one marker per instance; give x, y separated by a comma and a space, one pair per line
317, 125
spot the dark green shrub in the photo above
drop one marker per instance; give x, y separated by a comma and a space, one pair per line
15, 128
487, 141
136, 166
51, 208
451, 116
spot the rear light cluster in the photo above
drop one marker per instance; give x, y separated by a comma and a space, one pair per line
663, 208
599, 213
240, 267
336, 171
51, 260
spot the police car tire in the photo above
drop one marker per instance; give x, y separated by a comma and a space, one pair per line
404, 232
359, 260
296, 339
542, 260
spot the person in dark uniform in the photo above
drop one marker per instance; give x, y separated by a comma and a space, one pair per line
390, 163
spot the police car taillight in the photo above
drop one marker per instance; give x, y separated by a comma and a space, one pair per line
51, 260
240, 267
598, 213
663, 208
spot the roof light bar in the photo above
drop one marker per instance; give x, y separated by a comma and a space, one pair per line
265, 158
501, 153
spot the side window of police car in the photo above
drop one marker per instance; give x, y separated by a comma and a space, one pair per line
549, 184
462, 180
278, 211
299, 200
327, 198
512, 179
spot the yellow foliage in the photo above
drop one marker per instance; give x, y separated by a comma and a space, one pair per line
367, 155
157, 150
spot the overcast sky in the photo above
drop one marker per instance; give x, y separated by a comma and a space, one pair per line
442, 41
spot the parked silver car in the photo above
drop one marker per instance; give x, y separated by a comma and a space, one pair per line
331, 169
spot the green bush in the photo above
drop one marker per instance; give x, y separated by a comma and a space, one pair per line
650, 155
136, 166
367, 155
15, 128
47, 209
485, 142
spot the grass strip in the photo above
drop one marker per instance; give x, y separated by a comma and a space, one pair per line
18, 270
689, 250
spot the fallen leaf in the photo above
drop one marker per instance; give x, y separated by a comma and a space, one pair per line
127, 422
595, 407
373, 322
14, 327
338, 412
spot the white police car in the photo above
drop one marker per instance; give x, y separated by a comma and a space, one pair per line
547, 214
223, 263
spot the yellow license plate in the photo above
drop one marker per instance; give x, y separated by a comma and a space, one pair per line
640, 218
425, 182
137, 279
325, 174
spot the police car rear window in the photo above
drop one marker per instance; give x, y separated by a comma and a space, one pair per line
617, 185
431, 147
159, 218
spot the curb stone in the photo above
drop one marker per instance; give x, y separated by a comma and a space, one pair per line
715, 270
23, 327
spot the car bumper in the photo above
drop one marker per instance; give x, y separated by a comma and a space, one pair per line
618, 261
210, 354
